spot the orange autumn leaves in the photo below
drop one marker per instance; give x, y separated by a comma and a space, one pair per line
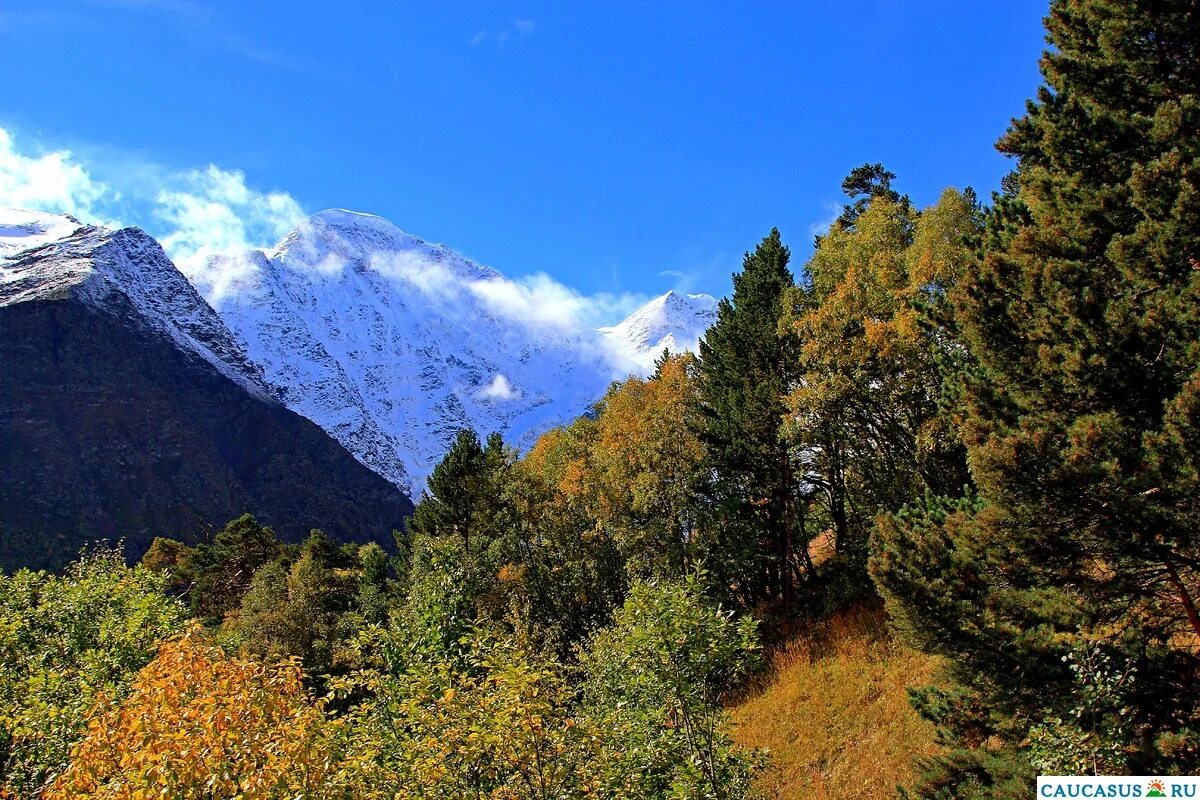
631, 469
199, 724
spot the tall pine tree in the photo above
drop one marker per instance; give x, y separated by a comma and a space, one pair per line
750, 535
1065, 594
464, 498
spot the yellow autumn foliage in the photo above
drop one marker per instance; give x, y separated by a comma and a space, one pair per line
198, 724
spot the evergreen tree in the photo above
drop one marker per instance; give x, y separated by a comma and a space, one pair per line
449, 506
862, 185
464, 528
743, 375
1065, 594
222, 570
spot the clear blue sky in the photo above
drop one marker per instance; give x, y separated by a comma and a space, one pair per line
604, 143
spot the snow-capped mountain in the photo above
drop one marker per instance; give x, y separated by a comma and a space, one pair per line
23, 230
388, 343
49, 255
672, 321
128, 409
392, 344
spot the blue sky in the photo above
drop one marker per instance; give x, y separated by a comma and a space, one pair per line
619, 147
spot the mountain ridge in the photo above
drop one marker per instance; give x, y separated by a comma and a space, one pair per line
393, 344
389, 343
127, 409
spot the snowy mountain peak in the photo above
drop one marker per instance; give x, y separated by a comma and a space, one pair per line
392, 344
124, 273
23, 230
349, 232
672, 321
331, 240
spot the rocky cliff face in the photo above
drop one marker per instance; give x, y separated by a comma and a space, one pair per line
128, 410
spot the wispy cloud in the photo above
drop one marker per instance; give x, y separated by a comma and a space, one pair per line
542, 300
199, 214
691, 270
532, 300
51, 181
194, 213
212, 212
205, 24
821, 226
516, 30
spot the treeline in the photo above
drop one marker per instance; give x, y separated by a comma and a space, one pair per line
248, 669
989, 415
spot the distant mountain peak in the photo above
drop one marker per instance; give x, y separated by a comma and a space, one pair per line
672, 321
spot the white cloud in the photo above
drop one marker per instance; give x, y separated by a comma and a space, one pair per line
213, 212
821, 227
202, 213
540, 299
499, 389
194, 214
51, 181
518, 29
535, 300
431, 277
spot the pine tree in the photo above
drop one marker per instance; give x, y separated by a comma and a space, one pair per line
450, 505
1065, 594
222, 570
743, 376
462, 533
862, 185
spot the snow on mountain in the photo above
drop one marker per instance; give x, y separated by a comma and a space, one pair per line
388, 343
48, 255
392, 344
672, 321
133, 411
23, 230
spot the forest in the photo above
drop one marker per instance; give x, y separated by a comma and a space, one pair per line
976, 422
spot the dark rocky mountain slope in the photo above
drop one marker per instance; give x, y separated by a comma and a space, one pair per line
128, 410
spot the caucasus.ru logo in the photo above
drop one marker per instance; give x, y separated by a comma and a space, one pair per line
1139, 786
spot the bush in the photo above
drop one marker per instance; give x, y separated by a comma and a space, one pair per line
654, 685
63, 641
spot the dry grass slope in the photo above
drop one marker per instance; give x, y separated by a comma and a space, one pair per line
834, 712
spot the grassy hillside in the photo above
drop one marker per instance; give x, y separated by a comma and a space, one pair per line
834, 712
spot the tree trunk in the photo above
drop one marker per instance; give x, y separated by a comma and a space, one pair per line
1189, 605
